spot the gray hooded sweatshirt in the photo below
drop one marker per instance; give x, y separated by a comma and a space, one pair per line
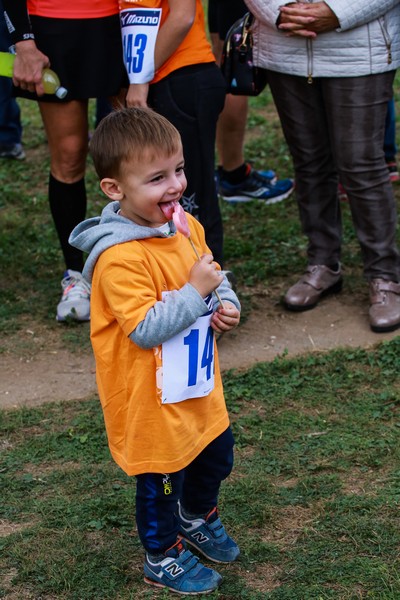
166, 318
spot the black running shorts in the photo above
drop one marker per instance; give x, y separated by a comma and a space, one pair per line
86, 54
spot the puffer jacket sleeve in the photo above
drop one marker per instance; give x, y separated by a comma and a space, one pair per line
350, 14
266, 11
359, 12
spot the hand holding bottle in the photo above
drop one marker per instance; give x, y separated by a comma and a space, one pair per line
28, 67
31, 72
49, 81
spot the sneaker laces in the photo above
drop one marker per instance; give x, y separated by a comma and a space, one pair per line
74, 286
256, 178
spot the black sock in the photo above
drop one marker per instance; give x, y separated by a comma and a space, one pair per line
68, 208
237, 175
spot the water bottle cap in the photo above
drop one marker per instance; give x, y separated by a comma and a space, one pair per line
61, 92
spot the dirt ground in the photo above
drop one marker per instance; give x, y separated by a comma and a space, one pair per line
50, 373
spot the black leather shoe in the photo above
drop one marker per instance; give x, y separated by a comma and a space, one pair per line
317, 281
384, 311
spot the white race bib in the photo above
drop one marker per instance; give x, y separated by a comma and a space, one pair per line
139, 28
188, 361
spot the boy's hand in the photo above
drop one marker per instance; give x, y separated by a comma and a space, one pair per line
225, 318
204, 276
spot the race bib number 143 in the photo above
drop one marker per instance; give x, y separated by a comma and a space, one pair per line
139, 34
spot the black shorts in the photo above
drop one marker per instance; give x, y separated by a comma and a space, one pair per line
223, 13
86, 54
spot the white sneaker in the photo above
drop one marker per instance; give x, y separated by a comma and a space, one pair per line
75, 299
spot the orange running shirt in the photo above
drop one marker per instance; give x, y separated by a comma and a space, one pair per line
73, 9
145, 435
194, 49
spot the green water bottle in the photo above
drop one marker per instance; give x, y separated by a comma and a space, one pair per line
50, 80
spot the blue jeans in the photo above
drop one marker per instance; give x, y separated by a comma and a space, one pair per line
196, 487
10, 122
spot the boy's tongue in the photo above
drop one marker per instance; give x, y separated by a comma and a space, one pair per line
168, 208
173, 210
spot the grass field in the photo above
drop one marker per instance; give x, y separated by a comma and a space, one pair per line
313, 500
314, 497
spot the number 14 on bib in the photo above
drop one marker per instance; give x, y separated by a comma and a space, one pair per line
188, 362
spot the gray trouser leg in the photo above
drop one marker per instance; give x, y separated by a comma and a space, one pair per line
335, 127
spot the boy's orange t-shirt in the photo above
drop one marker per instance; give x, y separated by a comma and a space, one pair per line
194, 49
73, 9
144, 435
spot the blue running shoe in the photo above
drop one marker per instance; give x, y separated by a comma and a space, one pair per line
255, 187
208, 536
269, 175
181, 572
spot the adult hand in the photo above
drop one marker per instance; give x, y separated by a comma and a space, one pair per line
137, 94
307, 20
28, 67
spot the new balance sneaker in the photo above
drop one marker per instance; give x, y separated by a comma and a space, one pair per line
75, 299
255, 187
208, 536
14, 151
180, 571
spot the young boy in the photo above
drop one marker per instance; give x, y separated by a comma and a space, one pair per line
153, 317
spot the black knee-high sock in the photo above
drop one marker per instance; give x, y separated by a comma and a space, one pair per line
68, 208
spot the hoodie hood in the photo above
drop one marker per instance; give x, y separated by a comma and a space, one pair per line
95, 235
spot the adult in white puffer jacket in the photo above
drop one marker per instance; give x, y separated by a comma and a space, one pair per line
331, 69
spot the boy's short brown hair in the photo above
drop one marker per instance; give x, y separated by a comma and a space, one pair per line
131, 134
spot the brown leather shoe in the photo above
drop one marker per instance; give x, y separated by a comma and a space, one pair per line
384, 311
317, 281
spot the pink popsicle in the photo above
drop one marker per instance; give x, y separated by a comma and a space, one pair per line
180, 220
